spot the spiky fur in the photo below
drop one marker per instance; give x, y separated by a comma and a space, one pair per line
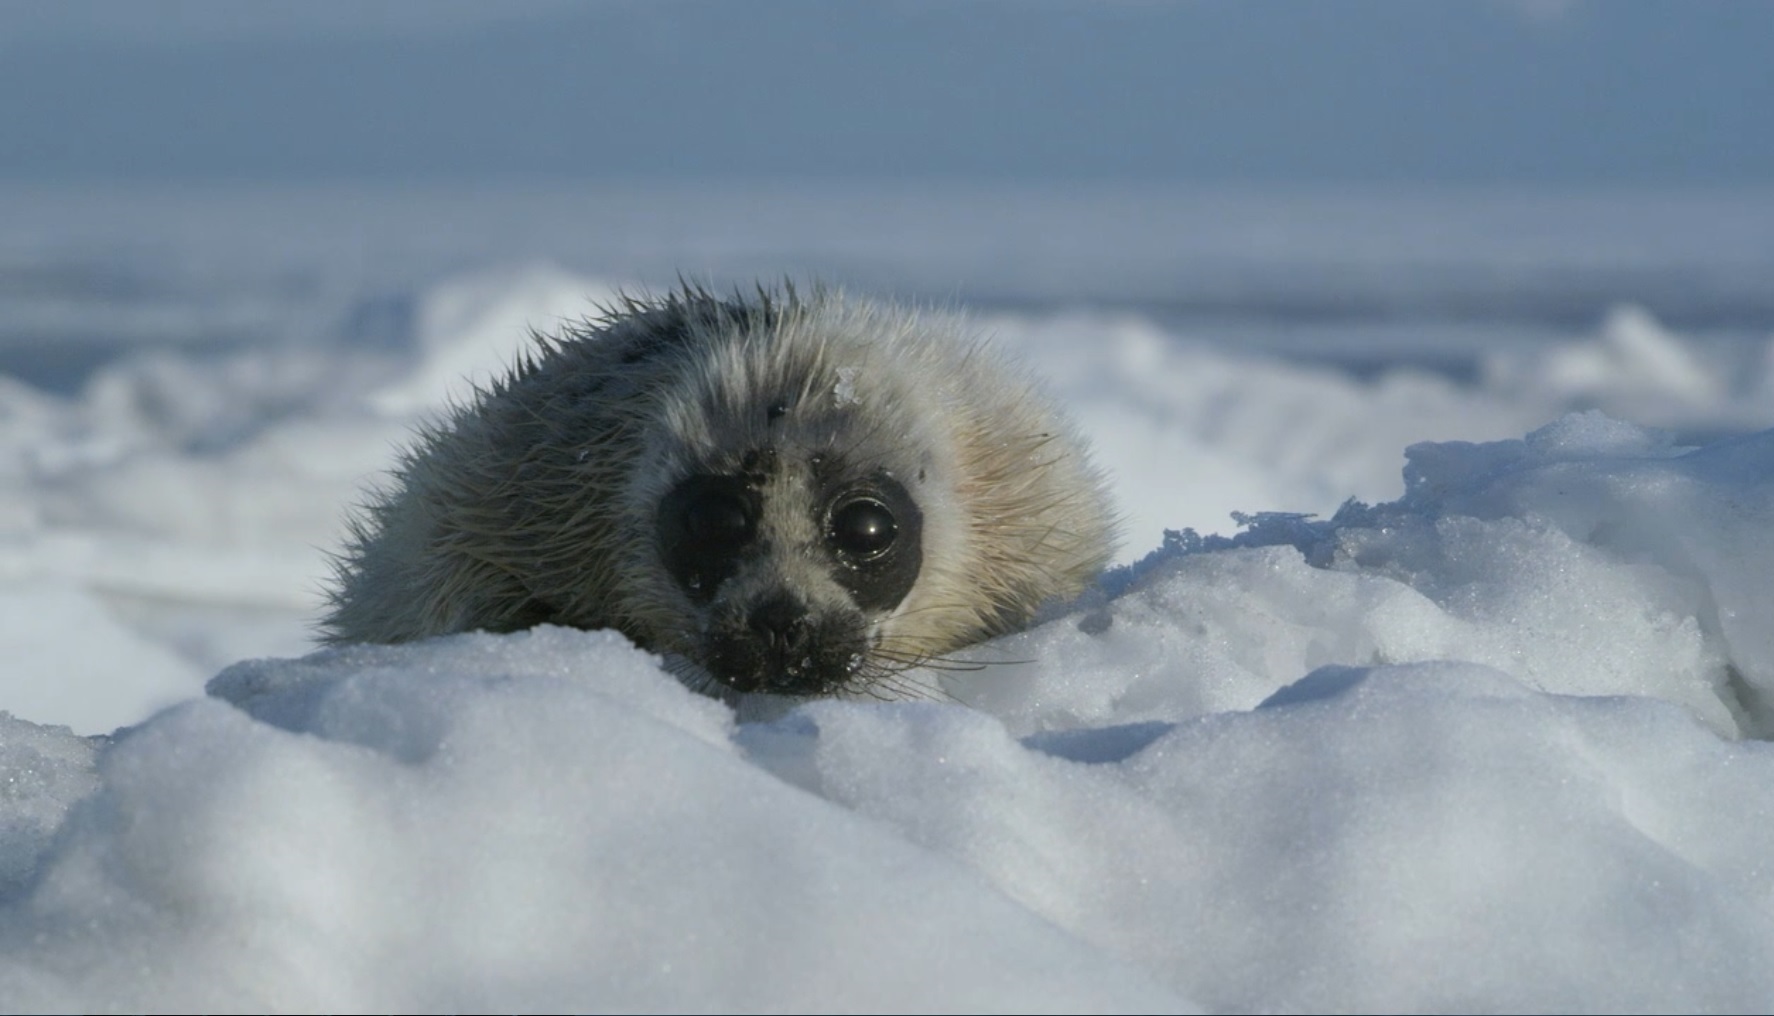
537, 501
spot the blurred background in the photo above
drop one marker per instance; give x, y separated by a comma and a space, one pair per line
1363, 181
1260, 248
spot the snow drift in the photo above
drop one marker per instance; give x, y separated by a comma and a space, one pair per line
1480, 747
1491, 738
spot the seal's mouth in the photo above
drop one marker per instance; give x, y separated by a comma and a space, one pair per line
780, 647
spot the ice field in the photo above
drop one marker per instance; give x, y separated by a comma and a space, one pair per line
1466, 709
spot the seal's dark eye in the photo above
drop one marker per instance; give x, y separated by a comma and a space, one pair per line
705, 525
718, 518
863, 529
874, 538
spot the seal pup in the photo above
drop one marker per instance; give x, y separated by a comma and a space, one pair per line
800, 494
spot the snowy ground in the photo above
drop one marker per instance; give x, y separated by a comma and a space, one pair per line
1490, 737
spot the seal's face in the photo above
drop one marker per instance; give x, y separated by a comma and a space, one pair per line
793, 563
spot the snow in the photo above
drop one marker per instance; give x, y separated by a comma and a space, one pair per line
470, 330
1467, 711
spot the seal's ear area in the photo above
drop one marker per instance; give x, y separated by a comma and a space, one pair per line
630, 470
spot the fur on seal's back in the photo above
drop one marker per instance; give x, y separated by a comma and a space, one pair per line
540, 500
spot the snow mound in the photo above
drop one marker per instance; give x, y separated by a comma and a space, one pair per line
98, 681
539, 822
1478, 748
470, 331
1189, 433
1636, 367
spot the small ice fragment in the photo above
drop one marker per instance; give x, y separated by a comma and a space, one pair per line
844, 394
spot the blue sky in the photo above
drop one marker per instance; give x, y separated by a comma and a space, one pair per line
1355, 92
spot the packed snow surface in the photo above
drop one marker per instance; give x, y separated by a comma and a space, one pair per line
1489, 737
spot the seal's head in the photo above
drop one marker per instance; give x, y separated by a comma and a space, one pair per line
791, 476
804, 496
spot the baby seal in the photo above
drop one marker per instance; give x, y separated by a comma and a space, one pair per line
801, 494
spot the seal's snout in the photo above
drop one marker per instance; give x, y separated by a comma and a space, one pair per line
781, 647
780, 625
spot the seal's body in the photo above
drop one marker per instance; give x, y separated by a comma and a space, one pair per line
795, 494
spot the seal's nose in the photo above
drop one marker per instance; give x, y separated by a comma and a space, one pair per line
780, 624
781, 645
